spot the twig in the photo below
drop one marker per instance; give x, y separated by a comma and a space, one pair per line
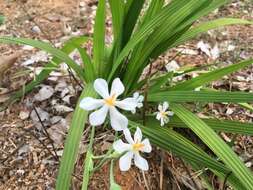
161, 170
225, 181
41, 142
145, 180
189, 174
13, 152
46, 133
73, 76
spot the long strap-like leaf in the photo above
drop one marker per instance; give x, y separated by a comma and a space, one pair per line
216, 144
72, 143
201, 96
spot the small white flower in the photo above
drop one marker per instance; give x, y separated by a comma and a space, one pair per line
198, 88
163, 114
108, 104
132, 150
139, 99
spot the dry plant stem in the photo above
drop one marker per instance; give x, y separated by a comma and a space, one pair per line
145, 180
145, 106
46, 133
41, 142
12, 153
190, 176
161, 170
75, 79
176, 181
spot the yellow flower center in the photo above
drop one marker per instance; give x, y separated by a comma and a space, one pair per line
111, 100
137, 146
163, 113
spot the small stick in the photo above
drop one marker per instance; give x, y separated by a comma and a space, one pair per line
189, 174
46, 133
41, 142
161, 170
145, 180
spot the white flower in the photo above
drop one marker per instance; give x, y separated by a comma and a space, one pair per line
132, 150
198, 88
108, 104
163, 114
139, 99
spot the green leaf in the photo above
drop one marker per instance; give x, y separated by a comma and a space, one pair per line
88, 164
117, 10
210, 76
216, 124
219, 125
216, 144
170, 140
177, 14
194, 32
200, 96
48, 48
99, 38
144, 32
89, 72
67, 48
113, 184
72, 142
130, 20
1, 19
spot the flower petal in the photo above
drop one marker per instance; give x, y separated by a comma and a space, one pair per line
90, 103
158, 116
118, 121
162, 122
137, 135
117, 87
160, 107
128, 104
165, 106
101, 87
170, 113
125, 161
136, 95
147, 147
120, 146
98, 117
128, 136
140, 162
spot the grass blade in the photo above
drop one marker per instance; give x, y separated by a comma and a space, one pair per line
67, 48
201, 96
99, 38
72, 142
211, 76
216, 144
48, 48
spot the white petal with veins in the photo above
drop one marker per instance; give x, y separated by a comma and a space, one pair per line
140, 162
118, 121
90, 103
128, 136
98, 117
147, 147
120, 146
127, 104
125, 161
117, 87
137, 135
101, 87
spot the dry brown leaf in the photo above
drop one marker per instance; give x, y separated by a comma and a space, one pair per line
6, 62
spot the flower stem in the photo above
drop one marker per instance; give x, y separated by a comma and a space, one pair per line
88, 165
